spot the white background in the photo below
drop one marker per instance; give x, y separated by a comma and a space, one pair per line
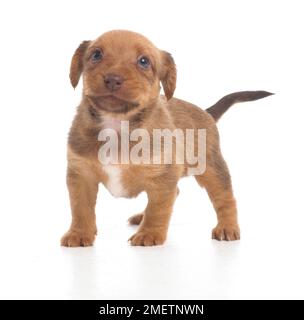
219, 47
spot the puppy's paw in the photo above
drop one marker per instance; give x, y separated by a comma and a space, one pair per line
226, 232
77, 239
136, 219
147, 238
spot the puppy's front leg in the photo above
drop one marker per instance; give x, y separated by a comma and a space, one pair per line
154, 226
83, 190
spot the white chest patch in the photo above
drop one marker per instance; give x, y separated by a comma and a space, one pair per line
111, 123
114, 184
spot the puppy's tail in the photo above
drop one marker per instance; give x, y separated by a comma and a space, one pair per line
218, 109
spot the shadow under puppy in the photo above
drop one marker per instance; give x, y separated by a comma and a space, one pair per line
122, 72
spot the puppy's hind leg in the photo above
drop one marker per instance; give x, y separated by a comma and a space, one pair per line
136, 219
216, 179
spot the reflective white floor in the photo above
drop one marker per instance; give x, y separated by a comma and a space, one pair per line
266, 263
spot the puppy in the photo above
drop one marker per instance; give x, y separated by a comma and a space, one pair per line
122, 72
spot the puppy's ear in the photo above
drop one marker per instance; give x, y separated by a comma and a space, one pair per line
168, 74
77, 63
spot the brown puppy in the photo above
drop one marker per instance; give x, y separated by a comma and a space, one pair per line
122, 72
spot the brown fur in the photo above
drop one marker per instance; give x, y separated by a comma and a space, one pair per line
138, 100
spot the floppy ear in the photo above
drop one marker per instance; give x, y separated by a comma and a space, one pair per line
77, 63
168, 74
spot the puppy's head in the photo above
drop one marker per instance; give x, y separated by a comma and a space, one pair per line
122, 70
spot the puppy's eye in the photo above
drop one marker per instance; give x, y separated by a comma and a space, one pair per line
144, 62
96, 55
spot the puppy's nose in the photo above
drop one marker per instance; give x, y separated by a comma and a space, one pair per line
113, 82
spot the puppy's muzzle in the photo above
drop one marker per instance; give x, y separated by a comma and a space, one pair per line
113, 82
